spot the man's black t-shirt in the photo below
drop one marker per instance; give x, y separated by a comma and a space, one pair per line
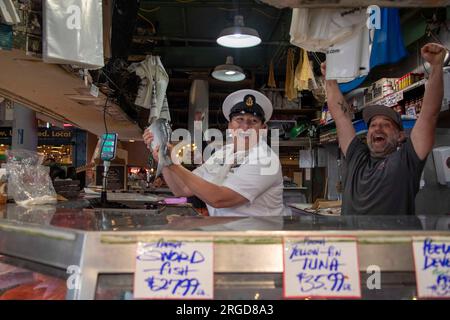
381, 186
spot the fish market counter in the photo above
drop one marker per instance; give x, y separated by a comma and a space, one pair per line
73, 252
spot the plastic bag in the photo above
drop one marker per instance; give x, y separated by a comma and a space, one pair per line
73, 32
29, 181
349, 59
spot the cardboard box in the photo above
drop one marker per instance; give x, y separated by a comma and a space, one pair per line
377, 87
306, 159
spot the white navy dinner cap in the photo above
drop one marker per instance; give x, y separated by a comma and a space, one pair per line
247, 101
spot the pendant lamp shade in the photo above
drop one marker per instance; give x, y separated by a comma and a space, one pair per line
228, 71
239, 36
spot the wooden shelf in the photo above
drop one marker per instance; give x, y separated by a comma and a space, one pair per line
301, 142
185, 94
409, 88
273, 89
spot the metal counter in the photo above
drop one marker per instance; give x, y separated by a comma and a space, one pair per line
248, 261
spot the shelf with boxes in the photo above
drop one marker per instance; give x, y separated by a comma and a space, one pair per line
330, 136
387, 91
297, 142
404, 95
392, 98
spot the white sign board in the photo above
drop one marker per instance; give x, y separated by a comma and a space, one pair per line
432, 263
174, 269
321, 267
392, 99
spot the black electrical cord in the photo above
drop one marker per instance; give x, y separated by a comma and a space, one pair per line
104, 121
104, 113
104, 191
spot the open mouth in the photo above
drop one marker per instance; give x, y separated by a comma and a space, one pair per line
378, 139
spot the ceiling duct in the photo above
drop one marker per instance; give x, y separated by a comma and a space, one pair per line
198, 108
354, 3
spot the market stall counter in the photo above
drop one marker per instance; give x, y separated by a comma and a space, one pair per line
70, 251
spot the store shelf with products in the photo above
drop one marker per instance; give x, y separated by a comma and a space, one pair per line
308, 111
298, 142
330, 136
393, 98
397, 98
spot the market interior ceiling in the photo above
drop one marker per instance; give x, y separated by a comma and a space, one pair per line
184, 32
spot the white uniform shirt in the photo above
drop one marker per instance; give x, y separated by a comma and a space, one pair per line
258, 178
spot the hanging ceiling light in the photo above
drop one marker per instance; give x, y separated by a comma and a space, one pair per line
228, 71
239, 36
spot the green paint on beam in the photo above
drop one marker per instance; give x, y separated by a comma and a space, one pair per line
413, 31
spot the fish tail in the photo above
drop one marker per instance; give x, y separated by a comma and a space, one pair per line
159, 169
162, 162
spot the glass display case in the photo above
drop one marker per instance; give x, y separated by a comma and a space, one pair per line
46, 250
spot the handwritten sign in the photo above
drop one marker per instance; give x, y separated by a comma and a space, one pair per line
321, 267
432, 263
392, 99
174, 269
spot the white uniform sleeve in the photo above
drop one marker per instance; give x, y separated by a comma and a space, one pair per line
251, 181
199, 171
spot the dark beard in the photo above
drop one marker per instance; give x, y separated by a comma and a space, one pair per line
388, 149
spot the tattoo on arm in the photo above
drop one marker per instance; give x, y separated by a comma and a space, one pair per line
344, 107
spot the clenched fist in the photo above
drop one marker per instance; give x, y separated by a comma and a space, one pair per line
433, 53
148, 137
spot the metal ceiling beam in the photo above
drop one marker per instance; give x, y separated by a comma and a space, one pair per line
164, 38
359, 3
275, 26
204, 4
185, 30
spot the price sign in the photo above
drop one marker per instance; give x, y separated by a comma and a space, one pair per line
432, 263
94, 90
392, 99
321, 267
174, 269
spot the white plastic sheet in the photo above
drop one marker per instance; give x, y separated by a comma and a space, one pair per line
152, 90
73, 33
29, 181
317, 29
349, 59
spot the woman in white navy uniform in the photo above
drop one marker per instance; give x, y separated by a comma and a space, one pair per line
251, 184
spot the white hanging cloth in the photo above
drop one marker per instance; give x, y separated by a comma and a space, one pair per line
152, 89
351, 58
317, 29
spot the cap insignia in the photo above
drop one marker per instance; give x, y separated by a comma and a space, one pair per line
249, 101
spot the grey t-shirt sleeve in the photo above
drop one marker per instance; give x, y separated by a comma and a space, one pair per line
355, 148
412, 160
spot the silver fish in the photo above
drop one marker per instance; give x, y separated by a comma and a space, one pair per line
162, 133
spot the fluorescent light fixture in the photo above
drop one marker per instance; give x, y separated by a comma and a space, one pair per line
228, 71
239, 36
